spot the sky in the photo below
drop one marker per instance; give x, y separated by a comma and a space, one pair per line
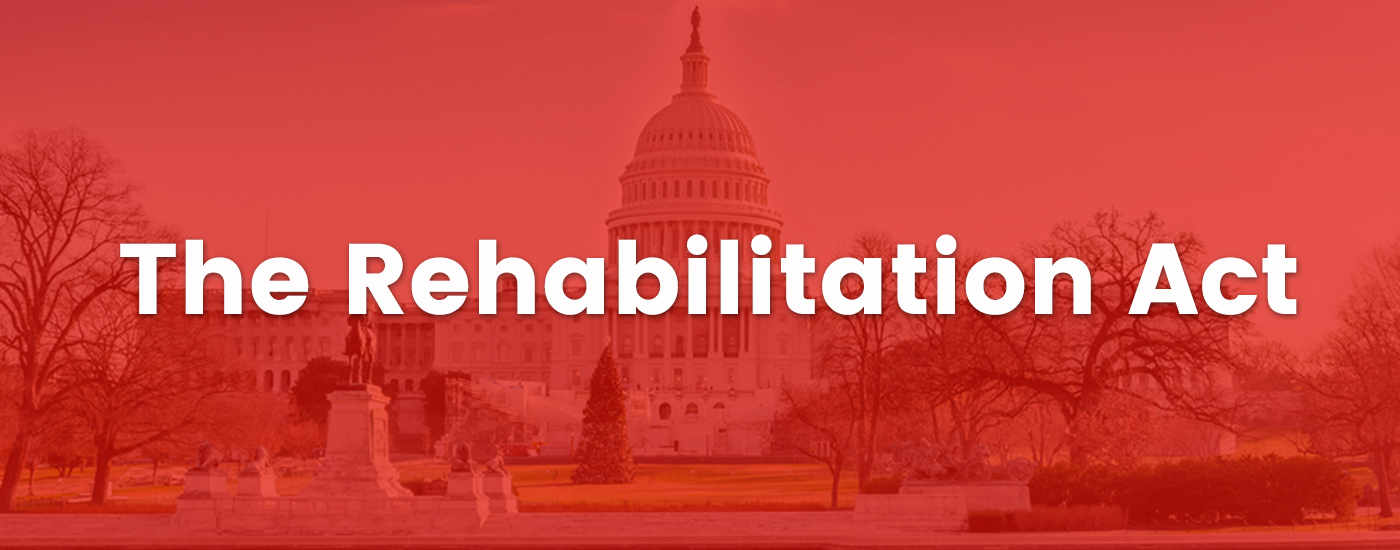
293, 128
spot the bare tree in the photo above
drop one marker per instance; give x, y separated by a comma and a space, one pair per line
301, 438
857, 354
246, 420
141, 380
64, 210
1164, 360
1039, 429
938, 359
61, 443
1352, 393
819, 422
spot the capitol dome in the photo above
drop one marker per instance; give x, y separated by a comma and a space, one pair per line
695, 171
694, 121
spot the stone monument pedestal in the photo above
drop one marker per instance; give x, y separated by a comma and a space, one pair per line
356, 491
497, 486
465, 496
205, 484
941, 506
1001, 496
257, 485
205, 491
465, 486
357, 448
921, 512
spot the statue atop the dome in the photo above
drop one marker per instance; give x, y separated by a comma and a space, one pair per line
695, 31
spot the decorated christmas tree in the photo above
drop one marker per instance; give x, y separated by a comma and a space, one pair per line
605, 455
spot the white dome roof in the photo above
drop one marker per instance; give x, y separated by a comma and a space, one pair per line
694, 122
694, 169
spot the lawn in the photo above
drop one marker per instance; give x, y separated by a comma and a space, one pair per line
659, 487
1278, 443
686, 487
546, 488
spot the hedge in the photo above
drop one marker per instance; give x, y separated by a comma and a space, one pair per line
1257, 490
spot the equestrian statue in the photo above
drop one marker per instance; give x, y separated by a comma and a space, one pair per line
360, 348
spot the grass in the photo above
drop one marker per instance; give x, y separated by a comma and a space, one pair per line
546, 488
1281, 444
674, 487
694, 487
543, 488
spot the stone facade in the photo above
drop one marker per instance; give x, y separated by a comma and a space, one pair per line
936, 506
1002, 496
933, 512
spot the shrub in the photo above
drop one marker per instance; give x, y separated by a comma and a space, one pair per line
1066, 484
1255, 490
424, 486
414, 486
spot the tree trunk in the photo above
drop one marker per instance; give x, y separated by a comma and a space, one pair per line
867, 466
859, 449
1382, 467
14, 468
863, 470
155, 471
101, 474
835, 485
1087, 407
865, 456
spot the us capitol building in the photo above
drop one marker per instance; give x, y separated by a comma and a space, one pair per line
701, 384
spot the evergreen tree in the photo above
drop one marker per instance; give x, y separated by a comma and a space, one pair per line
605, 454
320, 377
